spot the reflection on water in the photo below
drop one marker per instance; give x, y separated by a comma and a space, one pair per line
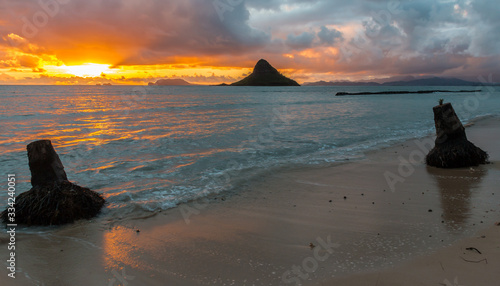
172, 144
120, 248
456, 188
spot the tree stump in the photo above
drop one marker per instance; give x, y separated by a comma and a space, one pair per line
52, 200
452, 149
45, 165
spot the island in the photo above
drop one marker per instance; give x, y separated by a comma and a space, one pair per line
264, 74
168, 82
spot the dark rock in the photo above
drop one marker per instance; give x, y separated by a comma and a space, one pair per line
452, 149
265, 75
52, 200
58, 204
402, 81
342, 93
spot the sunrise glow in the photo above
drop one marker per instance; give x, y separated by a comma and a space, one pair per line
87, 70
79, 43
250, 142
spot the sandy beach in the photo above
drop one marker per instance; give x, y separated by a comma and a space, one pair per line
384, 220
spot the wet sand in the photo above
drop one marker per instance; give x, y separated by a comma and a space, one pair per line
385, 220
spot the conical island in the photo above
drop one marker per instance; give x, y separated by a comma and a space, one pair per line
265, 74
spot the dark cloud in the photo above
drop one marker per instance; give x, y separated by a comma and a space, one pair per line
367, 37
485, 33
277, 5
329, 36
264, 4
300, 42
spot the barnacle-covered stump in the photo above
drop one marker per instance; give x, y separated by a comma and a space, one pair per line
53, 199
452, 149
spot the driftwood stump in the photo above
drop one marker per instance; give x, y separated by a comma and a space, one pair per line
45, 165
452, 149
53, 199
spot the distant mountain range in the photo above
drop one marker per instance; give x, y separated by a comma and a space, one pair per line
433, 81
264, 74
167, 82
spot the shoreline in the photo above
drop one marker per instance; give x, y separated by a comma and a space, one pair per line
332, 222
471, 261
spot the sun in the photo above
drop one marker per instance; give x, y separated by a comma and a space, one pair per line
87, 70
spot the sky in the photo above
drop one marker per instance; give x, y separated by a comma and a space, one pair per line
215, 41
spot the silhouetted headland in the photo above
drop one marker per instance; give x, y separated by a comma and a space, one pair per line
265, 75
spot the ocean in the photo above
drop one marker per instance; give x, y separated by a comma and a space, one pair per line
151, 148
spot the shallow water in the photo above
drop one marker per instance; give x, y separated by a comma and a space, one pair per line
150, 148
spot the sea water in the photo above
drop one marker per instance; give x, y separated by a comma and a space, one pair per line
151, 148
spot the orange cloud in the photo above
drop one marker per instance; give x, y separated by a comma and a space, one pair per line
140, 41
6, 77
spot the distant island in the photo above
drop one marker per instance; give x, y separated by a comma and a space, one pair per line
265, 75
169, 82
433, 81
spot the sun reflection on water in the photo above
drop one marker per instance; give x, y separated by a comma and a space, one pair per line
120, 248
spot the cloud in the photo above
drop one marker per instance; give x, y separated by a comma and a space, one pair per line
486, 39
300, 42
211, 79
151, 31
29, 61
313, 37
273, 5
18, 52
329, 37
5, 77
